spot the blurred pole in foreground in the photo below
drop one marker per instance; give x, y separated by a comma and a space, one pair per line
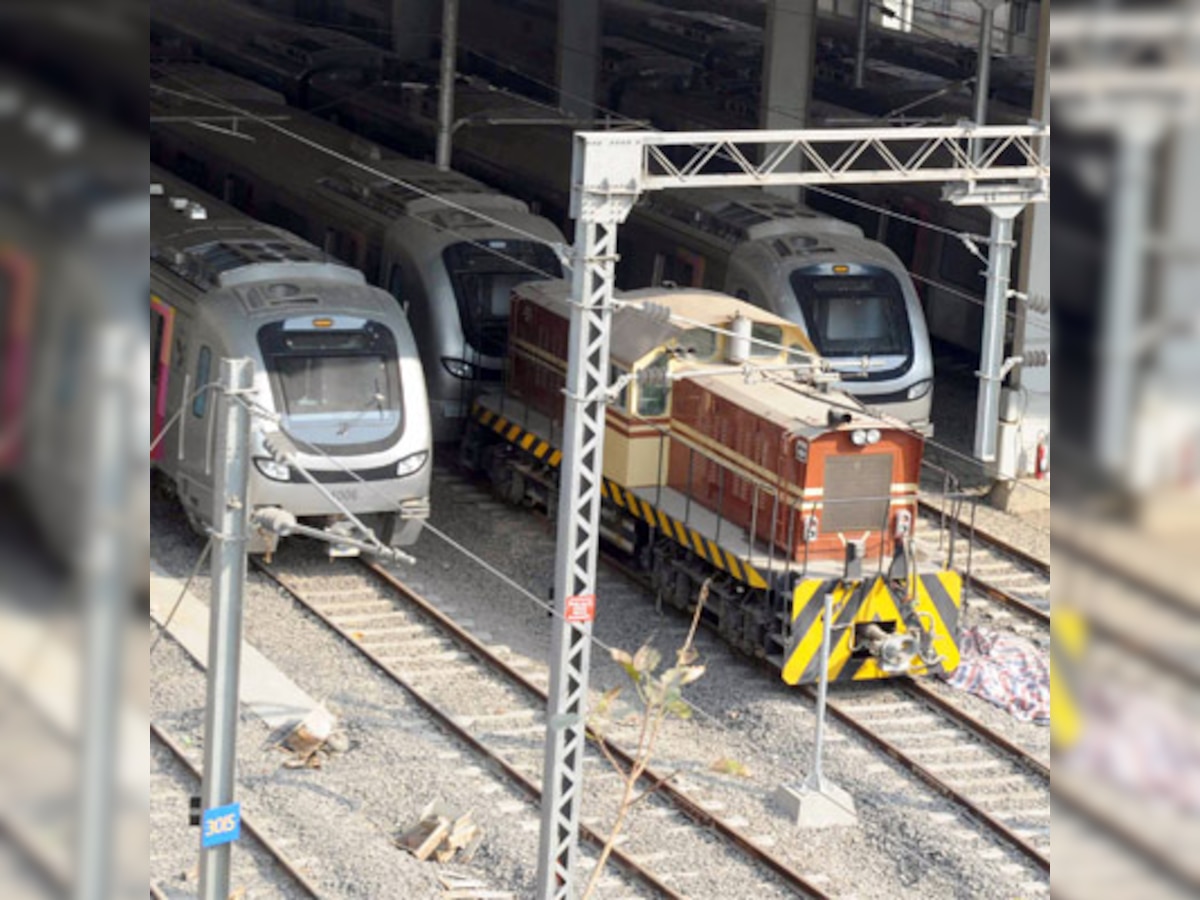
231, 477
1122, 308
103, 573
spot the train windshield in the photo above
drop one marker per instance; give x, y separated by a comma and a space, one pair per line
853, 315
335, 388
484, 275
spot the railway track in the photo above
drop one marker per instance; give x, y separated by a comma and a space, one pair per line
668, 846
999, 785
1002, 787
245, 874
1016, 581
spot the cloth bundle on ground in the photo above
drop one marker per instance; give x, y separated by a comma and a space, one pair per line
1006, 670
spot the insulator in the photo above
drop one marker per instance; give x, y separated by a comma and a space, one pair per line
1035, 359
656, 312
1038, 303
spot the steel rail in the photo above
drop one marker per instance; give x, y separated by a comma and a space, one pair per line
944, 706
302, 880
680, 799
973, 809
447, 721
1004, 598
1005, 548
662, 785
1024, 557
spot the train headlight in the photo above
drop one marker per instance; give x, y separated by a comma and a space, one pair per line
412, 463
276, 471
862, 437
920, 389
459, 368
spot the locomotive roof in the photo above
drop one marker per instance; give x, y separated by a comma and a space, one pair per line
801, 409
635, 334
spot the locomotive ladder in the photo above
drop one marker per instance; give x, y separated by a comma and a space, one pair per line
1001, 167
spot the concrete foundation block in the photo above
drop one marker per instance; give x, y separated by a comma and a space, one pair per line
812, 807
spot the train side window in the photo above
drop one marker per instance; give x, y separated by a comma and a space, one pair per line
203, 370
652, 397
158, 328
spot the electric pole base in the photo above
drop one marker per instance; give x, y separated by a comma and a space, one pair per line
808, 806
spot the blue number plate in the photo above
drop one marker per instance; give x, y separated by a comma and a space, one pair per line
221, 824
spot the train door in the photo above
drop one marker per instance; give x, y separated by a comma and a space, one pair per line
16, 309
162, 328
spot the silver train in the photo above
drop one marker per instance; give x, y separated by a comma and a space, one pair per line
446, 247
338, 383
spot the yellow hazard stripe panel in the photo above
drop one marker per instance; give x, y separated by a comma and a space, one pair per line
931, 616
625, 499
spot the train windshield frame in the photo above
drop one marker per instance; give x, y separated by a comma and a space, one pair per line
483, 275
338, 389
861, 313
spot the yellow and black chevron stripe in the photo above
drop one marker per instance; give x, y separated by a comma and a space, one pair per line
938, 603
627, 501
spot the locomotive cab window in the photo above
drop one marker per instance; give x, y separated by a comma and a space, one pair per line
771, 334
654, 391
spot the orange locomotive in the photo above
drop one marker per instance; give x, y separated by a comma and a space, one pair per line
728, 454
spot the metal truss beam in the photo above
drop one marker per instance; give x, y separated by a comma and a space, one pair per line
646, 161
